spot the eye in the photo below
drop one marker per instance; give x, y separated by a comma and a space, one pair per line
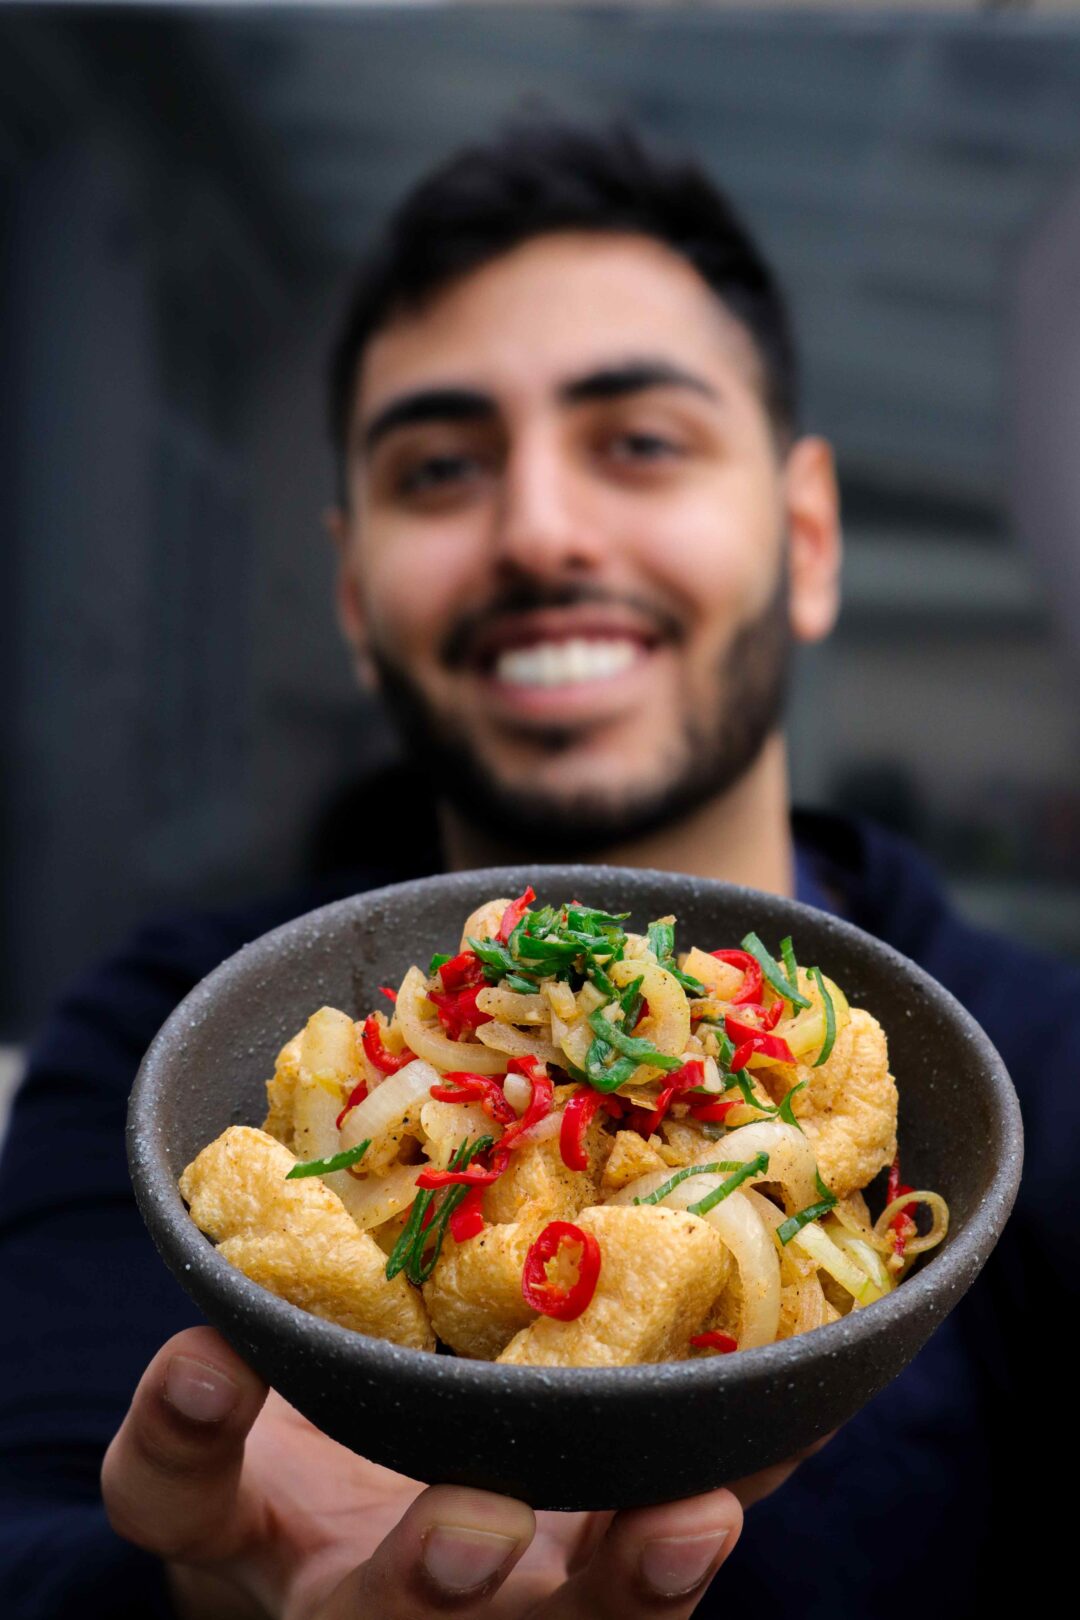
644, 447
433, 472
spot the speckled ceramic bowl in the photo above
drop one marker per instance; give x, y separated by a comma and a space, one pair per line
574, 1437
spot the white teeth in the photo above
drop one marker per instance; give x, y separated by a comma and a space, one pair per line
564, 663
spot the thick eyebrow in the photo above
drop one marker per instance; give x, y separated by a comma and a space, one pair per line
632, 377
428, 405
471, 405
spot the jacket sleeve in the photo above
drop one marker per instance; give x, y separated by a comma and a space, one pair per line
86, 1300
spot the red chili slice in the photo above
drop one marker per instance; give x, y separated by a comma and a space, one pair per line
475, 1088
750, 1040
386, 1062
475, 1175
750, 989
390, 994
564, 1304
540, 1105
356, 1095
714, 1340
768, 1017
458, 1013
712, 1113
577, 1117
468, 1219
902, 1224
463, 972
514, 913
691, 1074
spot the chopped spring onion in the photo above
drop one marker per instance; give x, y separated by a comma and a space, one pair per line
741, 1080
658, 1194
773, 972
662, 944
640, 1050
830, 1017
785, 1112
437, 961
795, 1223
325, 1167
787, 956
408, 1253
756, 1167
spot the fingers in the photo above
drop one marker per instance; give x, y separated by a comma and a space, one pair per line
448, 1554
652, 1562
171, 1477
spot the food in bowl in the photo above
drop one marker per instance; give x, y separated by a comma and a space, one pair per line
565, 1145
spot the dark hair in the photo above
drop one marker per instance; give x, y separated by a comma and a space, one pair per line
539, 175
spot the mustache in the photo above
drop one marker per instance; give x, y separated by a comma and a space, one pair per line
525, 596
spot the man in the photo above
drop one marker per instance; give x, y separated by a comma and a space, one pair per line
578, 532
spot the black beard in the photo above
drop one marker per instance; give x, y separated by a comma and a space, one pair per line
751, 686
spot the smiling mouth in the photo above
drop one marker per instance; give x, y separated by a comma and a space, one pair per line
568, 661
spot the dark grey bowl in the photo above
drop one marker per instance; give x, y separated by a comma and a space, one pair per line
573, 1437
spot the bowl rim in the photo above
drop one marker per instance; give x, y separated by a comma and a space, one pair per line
934, 1288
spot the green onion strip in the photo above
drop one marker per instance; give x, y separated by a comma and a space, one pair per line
795, 1223
830, 1017
756, 1167
325, 1167
672, 1182
773, 972
408, 1252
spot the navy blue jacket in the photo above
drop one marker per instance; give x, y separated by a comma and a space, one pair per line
926, 1504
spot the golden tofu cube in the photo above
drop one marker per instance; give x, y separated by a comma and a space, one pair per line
630, 1158
297, 1239
474, 1294
660, 1271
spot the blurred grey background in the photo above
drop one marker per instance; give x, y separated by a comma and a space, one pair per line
183, 193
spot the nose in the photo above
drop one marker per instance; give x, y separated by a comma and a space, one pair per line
544, 522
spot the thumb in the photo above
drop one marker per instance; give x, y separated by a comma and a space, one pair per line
171, 1476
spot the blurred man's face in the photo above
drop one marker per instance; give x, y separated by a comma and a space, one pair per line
572, 551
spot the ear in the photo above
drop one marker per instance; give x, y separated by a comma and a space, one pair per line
348, 594
812, 502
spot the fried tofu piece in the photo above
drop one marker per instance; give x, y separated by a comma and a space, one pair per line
296, 1238
629, 1158
683, 1144
483, 923
537, 1186
281, 1093
660, 1271
849, 1108
474, 1294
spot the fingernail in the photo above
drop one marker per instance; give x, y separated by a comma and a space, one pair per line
675, 1565
458, 1559
198, 1390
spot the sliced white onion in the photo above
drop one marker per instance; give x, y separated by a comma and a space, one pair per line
865, 1256
815, 1244
668, 1027
502, 1037
515, 1008
383, 1110
542, 1131
447, 1125
791, 1158
518, 1092
742, 1230
934, 1202
428, 1041
377, 1198
316, 1137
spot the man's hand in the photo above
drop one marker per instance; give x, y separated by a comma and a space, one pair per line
256, 1512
